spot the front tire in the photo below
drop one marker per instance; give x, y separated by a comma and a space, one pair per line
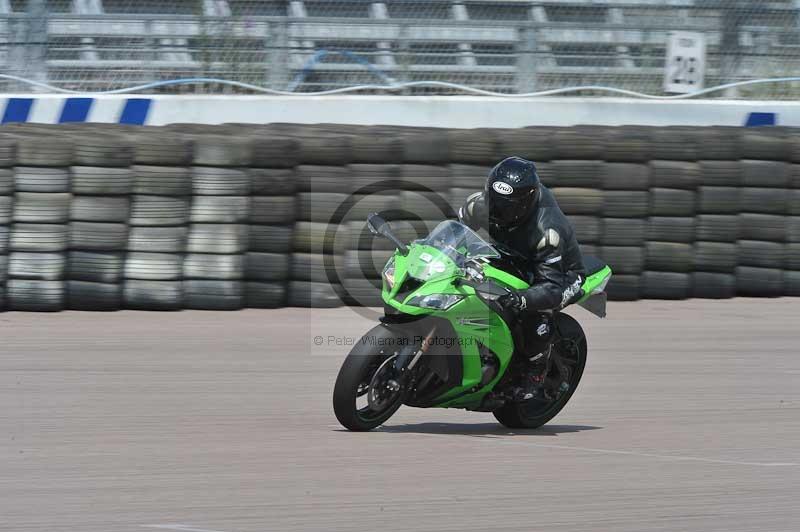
524, 415
358, 378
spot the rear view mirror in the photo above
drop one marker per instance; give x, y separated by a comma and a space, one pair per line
376, 224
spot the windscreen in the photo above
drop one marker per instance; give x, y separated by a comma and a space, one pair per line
458, 242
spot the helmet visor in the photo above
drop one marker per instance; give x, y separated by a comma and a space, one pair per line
507, 211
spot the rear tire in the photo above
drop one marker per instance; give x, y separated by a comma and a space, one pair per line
516, 415
361, 364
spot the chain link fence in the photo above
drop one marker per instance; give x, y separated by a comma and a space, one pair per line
504, 46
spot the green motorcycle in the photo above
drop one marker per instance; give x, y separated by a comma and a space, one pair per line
446, 342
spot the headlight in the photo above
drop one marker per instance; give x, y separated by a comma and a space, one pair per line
435, 301
388, 273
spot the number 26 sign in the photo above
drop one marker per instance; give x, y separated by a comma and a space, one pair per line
686, 62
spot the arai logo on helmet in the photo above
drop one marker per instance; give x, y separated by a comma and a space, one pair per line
503, 188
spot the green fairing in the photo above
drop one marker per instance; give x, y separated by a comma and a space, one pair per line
490, 330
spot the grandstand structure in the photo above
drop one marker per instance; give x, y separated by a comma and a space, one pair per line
303, 45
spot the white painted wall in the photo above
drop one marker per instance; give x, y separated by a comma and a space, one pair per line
433, 111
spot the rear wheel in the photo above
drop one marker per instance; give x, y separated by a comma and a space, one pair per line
368, 390
569, 359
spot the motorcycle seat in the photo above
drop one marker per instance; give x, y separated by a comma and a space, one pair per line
592, 265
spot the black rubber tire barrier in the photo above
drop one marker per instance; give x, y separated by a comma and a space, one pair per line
364, 178
265, 295
319, 238
6, 209
721, 173
38, 237
3, 268
95, 267
220, 209
671, 202
546, 172
92, 236
666, 285
5, 235
219, 151
759, 282
274, 152
8, 152
311, 178
773, 174
587, 228
39, 179
7, 181
217, 238
153, 266
213, 266
100, 209
671, 229
763, 227
270, 238
761, 254
624, 259
82, 295
717, 227
579, 200
322, 207
360, 264
363, 292
580, 174
37, 207
668, 256
625, 176
713, 285
151, 148
534, 144
214, 181
590, 250
720, 143
764, 200
105, 150
676, 143
36, 266
162, 180
101, 181
472, 146
151, 211
625, 203
471, 177
273, 181
35, 296
425, 177
792, 228
362, 205
426, 205
317, 295
377, 149
425, 148
624, 288
792, 256
273, 210
579, 142
158, 239
332, 149
152, 295
791, 284
623, 231
627, 144
44, 150
674, 174
266, 266
793, 206
768, 143
720, 257
316, 268
360, 237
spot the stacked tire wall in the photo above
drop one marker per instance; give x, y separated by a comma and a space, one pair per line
106, 217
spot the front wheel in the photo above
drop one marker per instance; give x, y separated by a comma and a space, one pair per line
368, 391
570, 348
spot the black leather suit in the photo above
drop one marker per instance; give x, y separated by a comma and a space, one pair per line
547, 240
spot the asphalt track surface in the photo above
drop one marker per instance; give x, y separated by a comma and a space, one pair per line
688, 418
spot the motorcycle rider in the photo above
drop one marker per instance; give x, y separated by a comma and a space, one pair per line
520, 213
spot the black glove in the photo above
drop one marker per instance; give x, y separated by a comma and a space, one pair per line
515, 301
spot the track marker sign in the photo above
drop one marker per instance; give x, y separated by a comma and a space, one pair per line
686, 62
